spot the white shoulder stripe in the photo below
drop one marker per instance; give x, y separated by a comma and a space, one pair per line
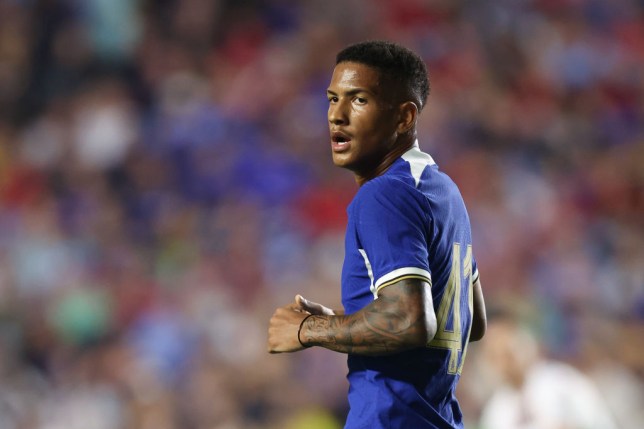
418, 161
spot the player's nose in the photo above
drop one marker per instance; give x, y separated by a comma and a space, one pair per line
337, 114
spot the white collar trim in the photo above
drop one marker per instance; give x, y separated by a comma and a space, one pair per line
418, 161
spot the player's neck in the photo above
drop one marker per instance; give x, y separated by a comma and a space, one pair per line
399, 148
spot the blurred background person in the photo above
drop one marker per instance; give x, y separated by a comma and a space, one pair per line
533, 392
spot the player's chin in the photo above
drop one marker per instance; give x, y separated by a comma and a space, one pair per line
343, 160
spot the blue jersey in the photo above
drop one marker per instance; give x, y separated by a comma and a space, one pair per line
410, 222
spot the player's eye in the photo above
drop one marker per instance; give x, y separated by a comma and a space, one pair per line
360, 100
333, 99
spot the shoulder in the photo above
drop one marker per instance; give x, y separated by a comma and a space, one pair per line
384, 183
389, 189
389, 194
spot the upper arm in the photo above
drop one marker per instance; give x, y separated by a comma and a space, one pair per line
479, 317
406, 305
391, 222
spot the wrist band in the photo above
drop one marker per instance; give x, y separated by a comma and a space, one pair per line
300, 330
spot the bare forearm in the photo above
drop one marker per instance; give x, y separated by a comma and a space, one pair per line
357, 335
393, 323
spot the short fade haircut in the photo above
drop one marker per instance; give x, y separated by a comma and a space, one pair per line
394, 62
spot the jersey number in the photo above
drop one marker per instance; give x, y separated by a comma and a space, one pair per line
452, 339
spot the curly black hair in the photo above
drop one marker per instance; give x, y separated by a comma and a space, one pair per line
395, 62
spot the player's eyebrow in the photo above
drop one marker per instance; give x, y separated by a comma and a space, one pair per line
353, 91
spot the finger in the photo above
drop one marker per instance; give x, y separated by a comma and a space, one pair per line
299, 300
307, 305
314, 307
272, 350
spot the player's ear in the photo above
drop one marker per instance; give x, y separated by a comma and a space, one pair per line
408, 113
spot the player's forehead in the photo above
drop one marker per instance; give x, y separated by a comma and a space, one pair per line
349, 76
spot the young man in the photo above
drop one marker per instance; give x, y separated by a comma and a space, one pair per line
410, 289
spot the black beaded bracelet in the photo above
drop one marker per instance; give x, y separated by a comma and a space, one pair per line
300, 330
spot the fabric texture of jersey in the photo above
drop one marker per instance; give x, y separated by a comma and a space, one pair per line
409, 222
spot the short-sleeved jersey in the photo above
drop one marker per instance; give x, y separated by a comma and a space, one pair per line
410, 222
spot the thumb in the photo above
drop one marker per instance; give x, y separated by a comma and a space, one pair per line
312, 307
307, 305
302, 302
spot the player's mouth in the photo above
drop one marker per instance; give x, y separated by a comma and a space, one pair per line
340, 141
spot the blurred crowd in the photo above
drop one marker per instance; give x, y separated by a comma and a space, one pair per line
166, 182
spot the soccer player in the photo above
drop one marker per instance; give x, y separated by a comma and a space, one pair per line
410, 287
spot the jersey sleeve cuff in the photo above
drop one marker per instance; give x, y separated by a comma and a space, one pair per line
475, 276
402, 274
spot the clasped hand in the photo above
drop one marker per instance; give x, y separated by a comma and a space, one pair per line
285, 323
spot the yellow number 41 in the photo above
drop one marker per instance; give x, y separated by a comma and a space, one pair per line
452, 339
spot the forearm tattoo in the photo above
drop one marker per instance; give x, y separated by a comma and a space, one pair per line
394, 322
